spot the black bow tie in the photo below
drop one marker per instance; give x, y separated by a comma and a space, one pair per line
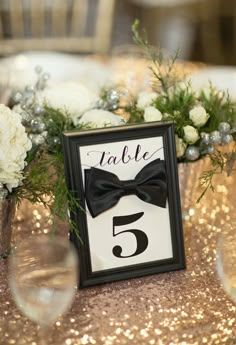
104, 189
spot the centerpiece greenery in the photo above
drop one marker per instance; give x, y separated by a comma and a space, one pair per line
205, 122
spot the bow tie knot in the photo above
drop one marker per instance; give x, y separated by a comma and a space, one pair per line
103, 189
129, 187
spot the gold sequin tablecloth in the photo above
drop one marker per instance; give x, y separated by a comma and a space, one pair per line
181, 307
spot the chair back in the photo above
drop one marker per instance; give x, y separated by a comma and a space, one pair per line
218, 31
59, 25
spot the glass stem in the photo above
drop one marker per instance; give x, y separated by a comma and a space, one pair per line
44, 333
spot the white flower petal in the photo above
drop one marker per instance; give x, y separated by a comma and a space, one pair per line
145, 99
199, 116
70, 96
152, 114
190, 134
14, 144
101, 118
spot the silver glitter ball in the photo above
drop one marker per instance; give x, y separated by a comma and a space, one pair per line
29, 89
28, 101
215, 138
113, 96
227, 138
206, 138
37, 139
224, 127
192, 153
38, 109
114, 106
37, 125
17, 97
26, 118
54, 141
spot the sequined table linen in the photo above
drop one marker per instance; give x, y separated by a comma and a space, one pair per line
181, 307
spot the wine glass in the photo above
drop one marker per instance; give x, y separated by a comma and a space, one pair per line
226, 260
43, 278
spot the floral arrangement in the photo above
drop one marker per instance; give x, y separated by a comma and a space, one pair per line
205, 120
32, 162
31, 157
14, 147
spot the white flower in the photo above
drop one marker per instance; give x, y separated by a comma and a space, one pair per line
152, 114
70, 96
180, 146
199, 116
14, 144
190, 134
101, 118
145, 99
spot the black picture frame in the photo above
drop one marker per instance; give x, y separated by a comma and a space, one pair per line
98, 261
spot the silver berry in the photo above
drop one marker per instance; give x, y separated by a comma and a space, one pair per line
29, 89
224, 127
37, 139
227, 139
206, 138
215, 138
38, 109
192, 153
37, 125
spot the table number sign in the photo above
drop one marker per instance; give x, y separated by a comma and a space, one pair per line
130, 221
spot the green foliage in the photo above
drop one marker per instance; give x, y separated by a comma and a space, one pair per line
44, 178
175, 99
218, 165
162, 67
219, 106
36, 182
56, 121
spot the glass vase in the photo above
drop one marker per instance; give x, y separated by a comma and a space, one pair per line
7, 214
190, 184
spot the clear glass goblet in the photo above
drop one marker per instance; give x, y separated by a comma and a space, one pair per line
43, 278
226, 260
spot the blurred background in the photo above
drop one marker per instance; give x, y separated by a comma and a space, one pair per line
202, 30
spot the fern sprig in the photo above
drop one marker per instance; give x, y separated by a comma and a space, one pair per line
218, 165
162, 67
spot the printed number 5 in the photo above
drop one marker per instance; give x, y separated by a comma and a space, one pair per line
141, 237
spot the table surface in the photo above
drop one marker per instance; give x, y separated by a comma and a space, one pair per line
182, 307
